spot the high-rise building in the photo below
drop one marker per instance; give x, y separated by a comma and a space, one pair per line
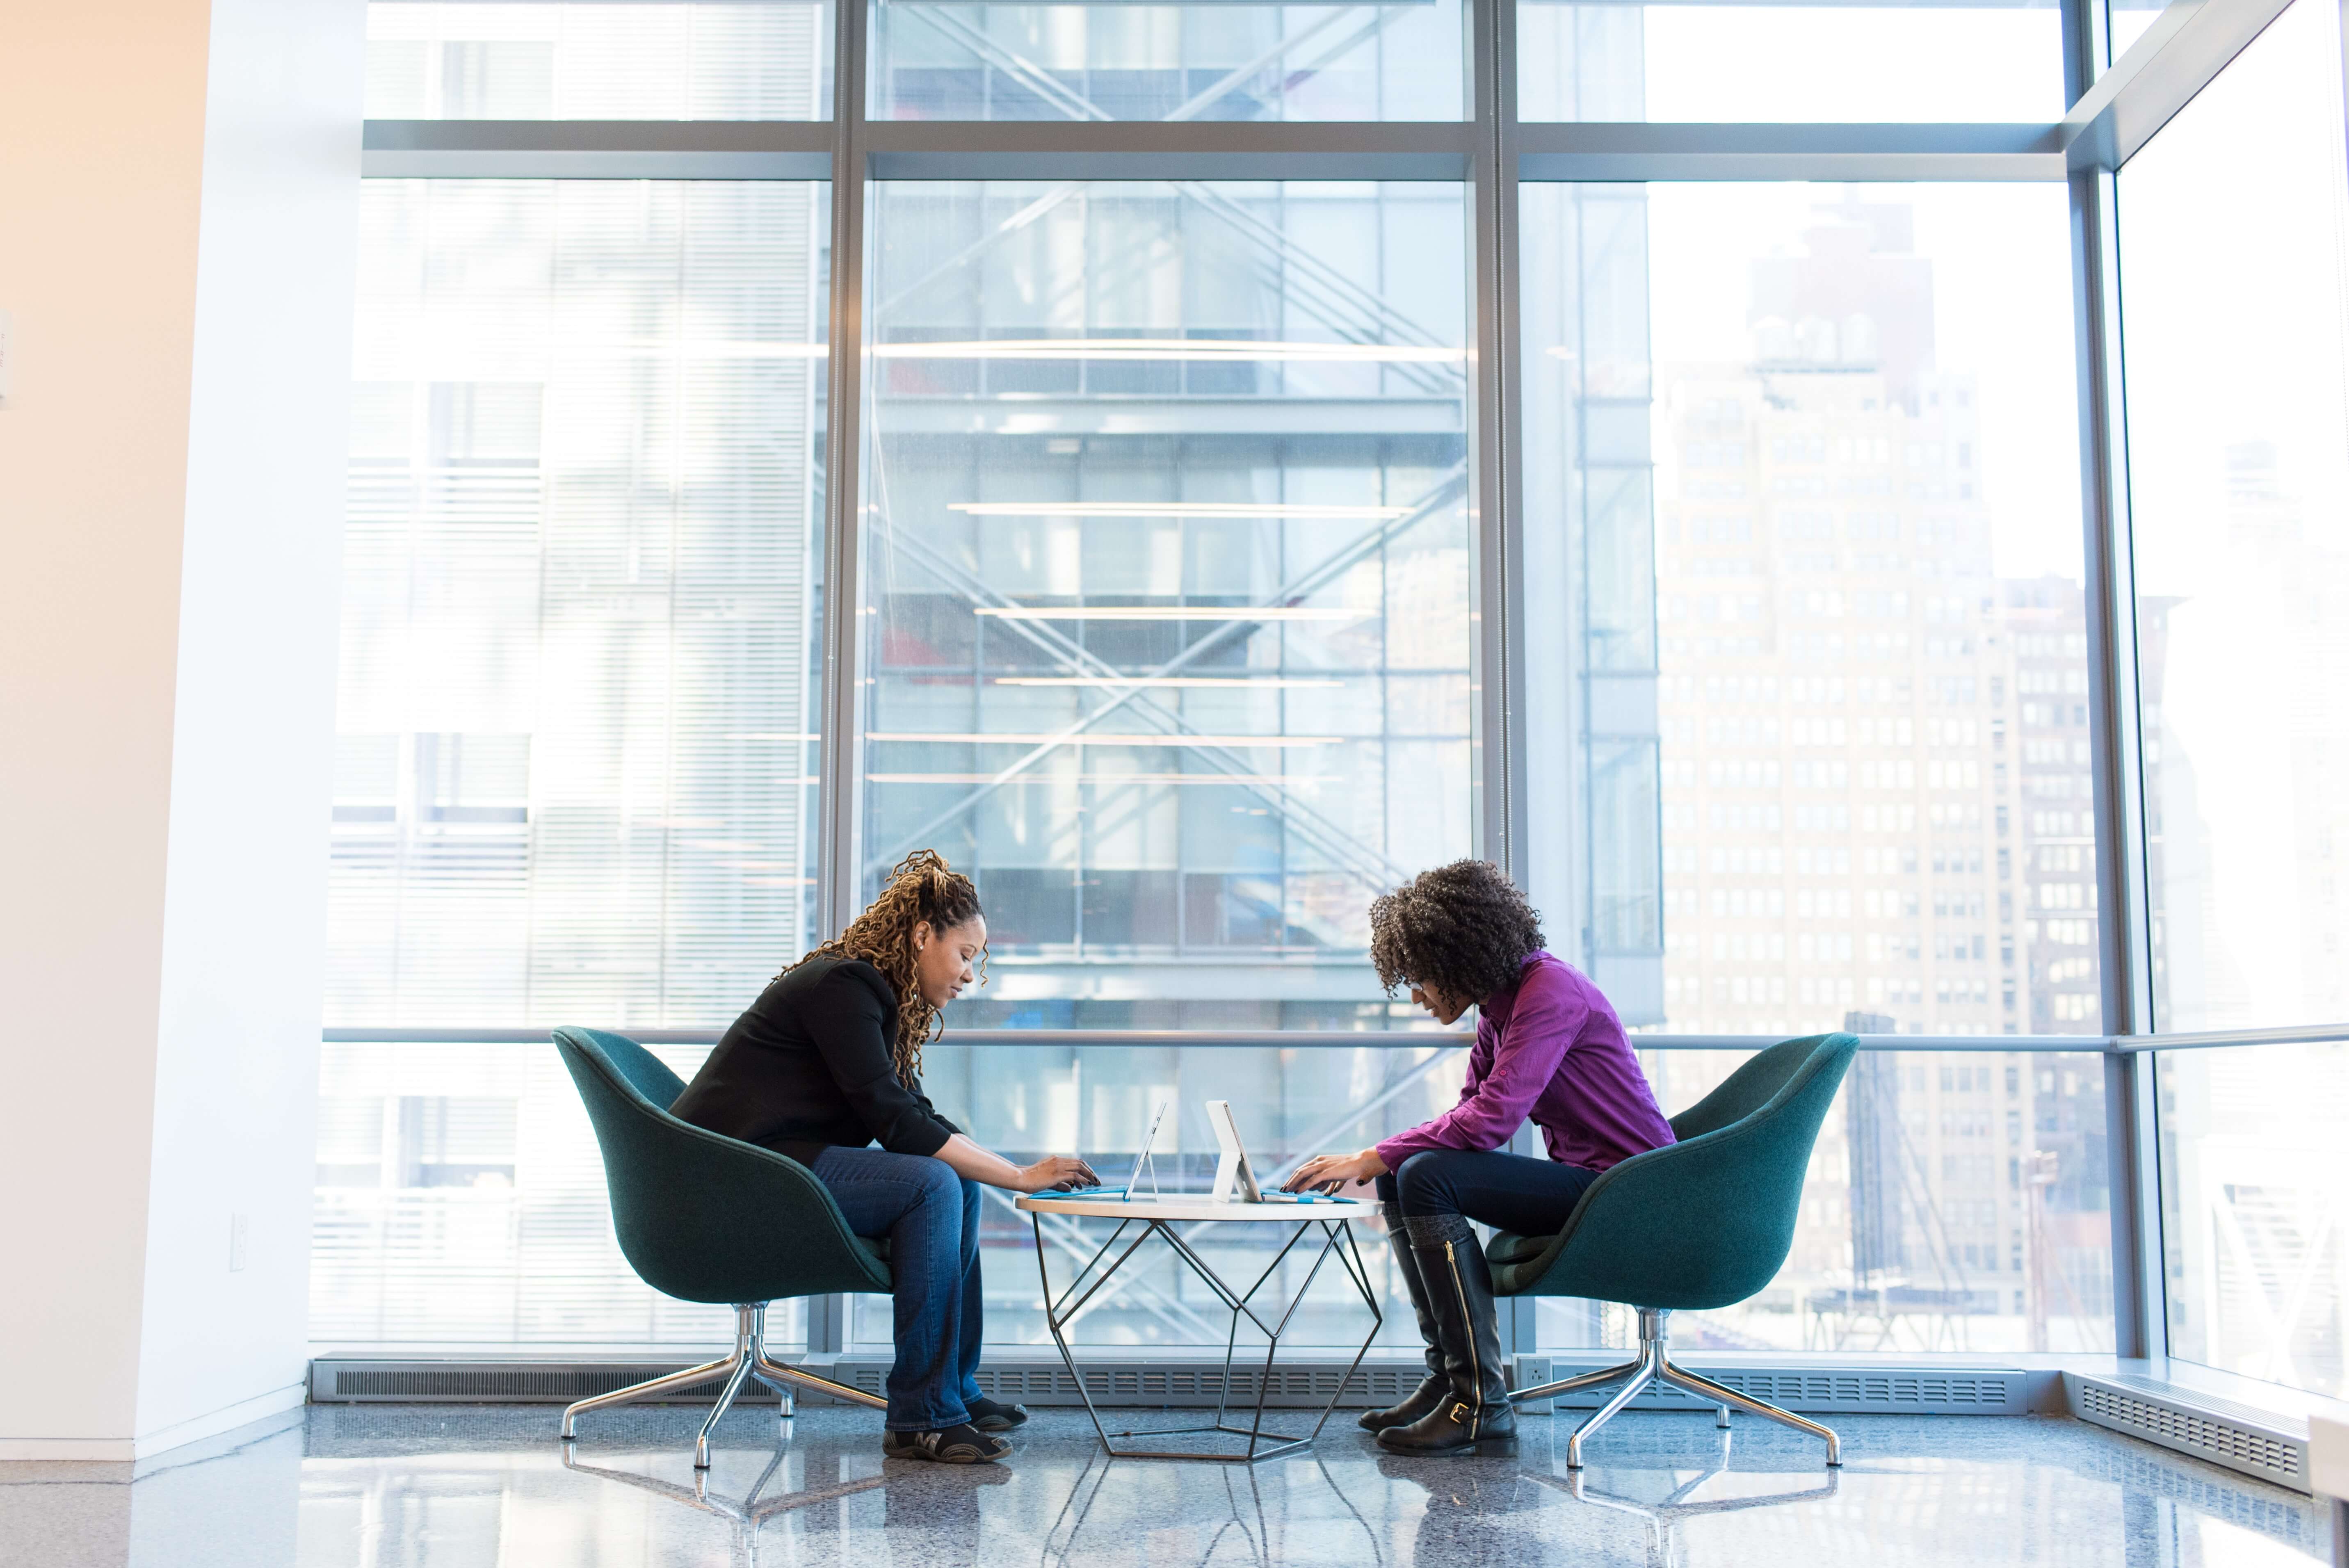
1833, 664
1846, 687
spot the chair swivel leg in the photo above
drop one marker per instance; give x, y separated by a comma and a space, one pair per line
748, 1359
1643, 1372
1433, 1388
750, 1336
652, 1386
1474, 1416
1575, 1384
741, 1375
1655, 1366
1726, 1398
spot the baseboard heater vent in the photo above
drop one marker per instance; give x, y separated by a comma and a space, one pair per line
2235, 1439
387, 1380
1871, 1390
1980, 1391
337, 1381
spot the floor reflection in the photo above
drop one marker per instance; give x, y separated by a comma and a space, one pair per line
1284, 1511
458, 1487
1665, 1501
754, 1509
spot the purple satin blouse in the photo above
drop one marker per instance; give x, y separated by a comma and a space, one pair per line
1550, 1047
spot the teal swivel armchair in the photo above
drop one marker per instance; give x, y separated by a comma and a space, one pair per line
1700, 1224
706, 1218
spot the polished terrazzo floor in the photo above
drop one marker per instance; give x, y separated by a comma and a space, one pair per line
466, 1487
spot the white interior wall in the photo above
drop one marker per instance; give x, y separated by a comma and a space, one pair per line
178, 216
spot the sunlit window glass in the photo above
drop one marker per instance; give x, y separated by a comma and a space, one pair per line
2252, 1189
1827, 488
1168, 575
1803, 459
574, 769
1884, 63
1215, 61
2128, 20
2238, 367
538, 59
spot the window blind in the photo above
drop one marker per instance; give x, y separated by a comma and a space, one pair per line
575, 760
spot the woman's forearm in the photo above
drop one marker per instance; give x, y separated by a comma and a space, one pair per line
981, 1165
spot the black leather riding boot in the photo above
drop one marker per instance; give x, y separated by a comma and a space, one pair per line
1433, 1387
1475, 1415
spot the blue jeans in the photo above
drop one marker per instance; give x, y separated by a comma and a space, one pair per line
929, 1216
1509, 1191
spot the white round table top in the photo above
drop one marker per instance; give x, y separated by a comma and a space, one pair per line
1192, 1206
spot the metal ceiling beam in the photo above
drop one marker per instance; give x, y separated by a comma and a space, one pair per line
1840, 152
1153, 149
2189, 44
596, 150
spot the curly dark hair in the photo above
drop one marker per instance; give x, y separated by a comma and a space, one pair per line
921, 887
1464, 928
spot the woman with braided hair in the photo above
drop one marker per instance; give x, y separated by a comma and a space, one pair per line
825, 1064
1548, 1046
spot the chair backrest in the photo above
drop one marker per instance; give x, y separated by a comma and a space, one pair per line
1708, 1220
638, 1068
700, 1216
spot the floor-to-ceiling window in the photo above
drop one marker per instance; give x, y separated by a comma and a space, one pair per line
2235, 271
1808, 449
1286, 448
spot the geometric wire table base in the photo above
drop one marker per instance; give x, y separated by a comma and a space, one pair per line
1338, 1240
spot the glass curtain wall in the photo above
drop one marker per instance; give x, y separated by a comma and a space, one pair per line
731, 60
1172, 613
969, 60
1799, 454
1167, 575
2234, 265
575, 769
1884, 64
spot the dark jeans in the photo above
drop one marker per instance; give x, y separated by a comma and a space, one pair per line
930, 1218
1509, 1191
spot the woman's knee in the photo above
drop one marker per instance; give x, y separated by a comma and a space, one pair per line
1420, 1186
936, 1182
938, 1189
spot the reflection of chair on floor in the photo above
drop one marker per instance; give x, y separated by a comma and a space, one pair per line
1694, 1226
746, 1515
706, 1218
1665, 1515
1227, 1540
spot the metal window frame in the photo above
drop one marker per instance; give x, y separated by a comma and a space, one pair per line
2114, 110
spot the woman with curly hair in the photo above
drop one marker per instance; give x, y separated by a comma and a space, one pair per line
826, 1063
1548, 1046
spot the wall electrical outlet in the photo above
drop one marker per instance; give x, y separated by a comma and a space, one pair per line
236, 1232
7, 353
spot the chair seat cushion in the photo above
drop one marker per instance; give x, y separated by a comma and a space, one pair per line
1518, 1262
1508, 1247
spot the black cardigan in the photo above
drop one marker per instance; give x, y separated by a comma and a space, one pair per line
807, 1067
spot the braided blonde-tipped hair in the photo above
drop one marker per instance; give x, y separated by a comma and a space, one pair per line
921, 887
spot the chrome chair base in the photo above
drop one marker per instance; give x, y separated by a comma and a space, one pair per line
1654, 1366
748, 1359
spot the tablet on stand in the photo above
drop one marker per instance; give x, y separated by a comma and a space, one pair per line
1234, 1180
